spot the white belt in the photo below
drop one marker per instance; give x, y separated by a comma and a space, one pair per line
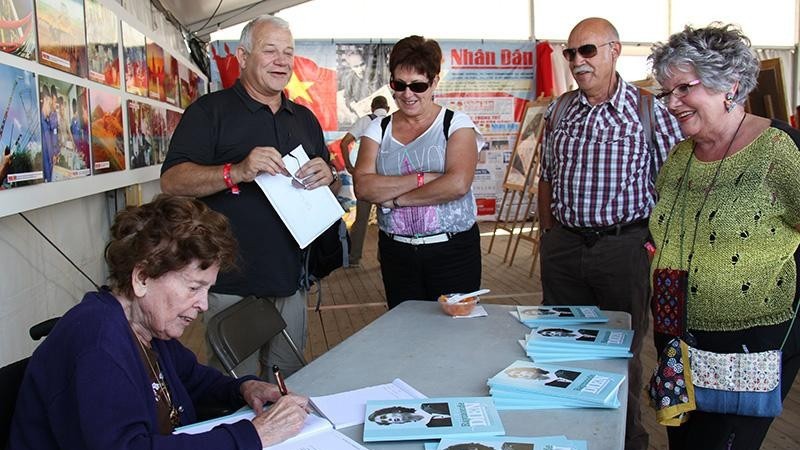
422, 240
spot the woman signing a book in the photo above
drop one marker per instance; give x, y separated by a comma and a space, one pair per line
112, 373
418, 165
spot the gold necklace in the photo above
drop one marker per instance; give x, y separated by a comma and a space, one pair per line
160, 387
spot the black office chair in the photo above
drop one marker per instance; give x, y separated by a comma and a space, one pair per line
241, 329
11, 380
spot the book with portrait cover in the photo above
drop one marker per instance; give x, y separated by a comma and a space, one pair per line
512, 443
555, 382
542, 315
431, 418
571, 343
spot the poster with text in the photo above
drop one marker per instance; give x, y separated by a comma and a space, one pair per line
20, 133
65, 130
62, 35
140, 140
171, 79
16, 28
102, 36
155, 71
135, 60
108, 145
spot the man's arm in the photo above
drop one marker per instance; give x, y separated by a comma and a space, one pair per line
197, 180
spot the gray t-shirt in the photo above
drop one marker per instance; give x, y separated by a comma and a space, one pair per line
424, 154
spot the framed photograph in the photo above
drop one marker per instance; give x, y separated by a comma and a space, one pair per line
140, 139
21, 161
768, 99
102, 36
155, 71
171, 79
62, 35
108, 145
65, 130
524, 159
184, 91
135, 60
18, 36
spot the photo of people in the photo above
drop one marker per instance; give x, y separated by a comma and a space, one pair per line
16, 30
20, 134
362, 70
561, 378
184, 86
102, 31
135, 60
65, 129
155, 71
140, 145
578, 335
158, 126
108, 147
62, 35
429, 414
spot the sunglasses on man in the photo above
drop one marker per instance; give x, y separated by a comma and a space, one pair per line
585, 50
416, 87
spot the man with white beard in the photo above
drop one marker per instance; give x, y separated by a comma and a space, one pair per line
599, 163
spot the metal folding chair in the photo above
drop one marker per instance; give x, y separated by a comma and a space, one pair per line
241, 329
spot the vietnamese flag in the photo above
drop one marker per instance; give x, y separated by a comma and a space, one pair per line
315, 88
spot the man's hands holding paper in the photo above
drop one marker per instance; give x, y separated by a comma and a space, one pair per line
313, 174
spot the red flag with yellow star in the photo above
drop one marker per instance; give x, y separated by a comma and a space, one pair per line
315, 88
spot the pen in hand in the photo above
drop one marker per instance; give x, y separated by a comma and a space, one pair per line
279, 380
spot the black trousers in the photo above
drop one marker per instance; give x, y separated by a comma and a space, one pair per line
711, 431
424, 272
611, 273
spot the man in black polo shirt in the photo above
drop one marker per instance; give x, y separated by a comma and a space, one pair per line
224, 140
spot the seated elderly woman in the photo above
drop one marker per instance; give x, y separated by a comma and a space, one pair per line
727, 222
112, 374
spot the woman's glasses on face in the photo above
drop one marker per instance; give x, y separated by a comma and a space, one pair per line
586, 51
679, 91
417, 86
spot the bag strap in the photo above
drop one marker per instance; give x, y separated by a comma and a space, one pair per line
559, 108
448, 118
791, 324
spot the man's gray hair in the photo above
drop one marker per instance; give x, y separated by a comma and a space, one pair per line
719, 54
246, 40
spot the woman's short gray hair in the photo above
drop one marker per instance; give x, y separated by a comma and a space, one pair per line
246, 40
719, 54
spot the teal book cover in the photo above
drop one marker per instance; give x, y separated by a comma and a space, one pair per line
559, 381
582, 337
431, 418
512, 443
560, 315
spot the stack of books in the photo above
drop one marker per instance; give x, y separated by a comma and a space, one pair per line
510, 443
431, 418
572, 343
536, 316
529, 385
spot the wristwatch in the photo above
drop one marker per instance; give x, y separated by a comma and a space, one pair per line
335, 175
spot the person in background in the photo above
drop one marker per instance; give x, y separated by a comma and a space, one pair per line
380, 108
728, 214
223, 141
112, 373
419, 169
596, 192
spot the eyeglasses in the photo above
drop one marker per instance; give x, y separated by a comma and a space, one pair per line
417, 86
679, 91
585, 50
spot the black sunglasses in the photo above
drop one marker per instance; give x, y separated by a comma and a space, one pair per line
417, 86
586, 50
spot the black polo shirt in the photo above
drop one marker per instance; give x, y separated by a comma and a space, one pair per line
223, 127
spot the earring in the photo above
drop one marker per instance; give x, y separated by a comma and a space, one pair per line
729, 104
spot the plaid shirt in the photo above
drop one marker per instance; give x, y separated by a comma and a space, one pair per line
598, 162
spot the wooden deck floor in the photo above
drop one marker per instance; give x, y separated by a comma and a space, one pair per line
352, 298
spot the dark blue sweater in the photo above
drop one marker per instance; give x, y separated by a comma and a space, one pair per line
87, 388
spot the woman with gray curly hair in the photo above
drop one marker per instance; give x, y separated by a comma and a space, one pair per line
726, 225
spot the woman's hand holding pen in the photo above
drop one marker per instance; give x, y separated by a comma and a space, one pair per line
282, 420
